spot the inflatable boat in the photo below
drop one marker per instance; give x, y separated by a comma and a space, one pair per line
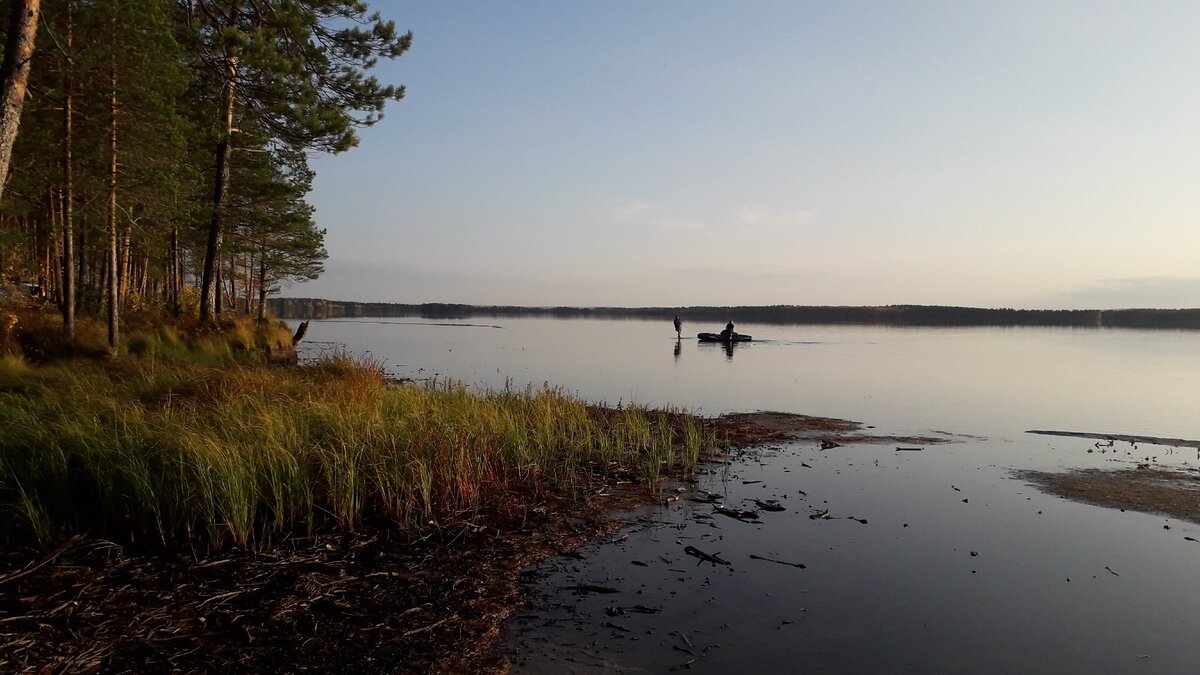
717, 337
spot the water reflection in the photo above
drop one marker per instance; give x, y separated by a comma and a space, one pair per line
913, 562
727, 346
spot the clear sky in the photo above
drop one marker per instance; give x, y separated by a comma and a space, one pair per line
998, 154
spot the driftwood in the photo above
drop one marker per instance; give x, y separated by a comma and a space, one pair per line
301, 330
736, 514
714, 558
781, 562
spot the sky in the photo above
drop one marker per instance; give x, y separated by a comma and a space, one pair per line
668, 153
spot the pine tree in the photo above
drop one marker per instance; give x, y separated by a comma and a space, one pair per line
273, 223
14, 76
298, 68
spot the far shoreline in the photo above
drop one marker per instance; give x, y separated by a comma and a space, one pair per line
880, 315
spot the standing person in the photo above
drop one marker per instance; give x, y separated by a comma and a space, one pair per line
678, 328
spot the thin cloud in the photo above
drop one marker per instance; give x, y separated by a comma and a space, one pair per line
759, 218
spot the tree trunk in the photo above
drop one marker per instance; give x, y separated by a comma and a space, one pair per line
209, 287
262, 286
126, 265
218, 294
176, 274
43, 276
14, 76
113, 270
83, 275
55, 249
67, 197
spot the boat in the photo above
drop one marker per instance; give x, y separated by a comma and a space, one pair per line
718, 337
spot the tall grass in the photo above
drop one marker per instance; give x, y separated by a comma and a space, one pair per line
37, 334
170, 449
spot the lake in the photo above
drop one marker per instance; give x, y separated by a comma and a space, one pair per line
959, 567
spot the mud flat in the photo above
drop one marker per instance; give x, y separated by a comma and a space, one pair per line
1174, 493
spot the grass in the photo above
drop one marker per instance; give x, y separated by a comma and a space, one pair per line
180, 441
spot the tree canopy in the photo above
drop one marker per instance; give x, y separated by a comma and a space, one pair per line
163, 158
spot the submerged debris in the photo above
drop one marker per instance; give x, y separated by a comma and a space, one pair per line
712, 558
769, 505
737, 514
781, 562
591, 588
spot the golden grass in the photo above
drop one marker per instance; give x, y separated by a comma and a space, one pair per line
174, 449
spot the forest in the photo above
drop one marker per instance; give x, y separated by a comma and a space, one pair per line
893, 315
161, 153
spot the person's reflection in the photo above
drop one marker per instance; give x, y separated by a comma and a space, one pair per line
729, 349
678, 348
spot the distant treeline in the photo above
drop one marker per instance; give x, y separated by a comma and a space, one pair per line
891, 315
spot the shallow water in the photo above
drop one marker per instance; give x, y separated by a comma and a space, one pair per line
1054, 585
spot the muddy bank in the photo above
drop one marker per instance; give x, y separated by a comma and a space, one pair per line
375, 601
1167, 492
757, 428
370, 602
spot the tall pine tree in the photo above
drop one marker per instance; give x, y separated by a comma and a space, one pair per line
299, 69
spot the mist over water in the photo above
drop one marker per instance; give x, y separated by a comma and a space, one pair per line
960, 567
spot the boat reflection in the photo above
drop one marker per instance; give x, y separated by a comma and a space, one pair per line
727, 346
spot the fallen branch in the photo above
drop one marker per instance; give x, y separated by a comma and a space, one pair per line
35, 566
781, 562
424, 629
714, 558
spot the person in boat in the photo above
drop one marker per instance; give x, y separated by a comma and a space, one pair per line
678, 328
727, 334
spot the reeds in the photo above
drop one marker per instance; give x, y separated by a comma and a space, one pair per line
170, 449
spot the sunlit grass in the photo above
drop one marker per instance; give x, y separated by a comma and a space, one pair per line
179, 449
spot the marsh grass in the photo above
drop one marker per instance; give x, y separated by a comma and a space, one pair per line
175, 446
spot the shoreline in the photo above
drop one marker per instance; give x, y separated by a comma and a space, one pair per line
373, 601
379, 600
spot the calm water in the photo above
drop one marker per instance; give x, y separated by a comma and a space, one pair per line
983, 381
1053, 586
